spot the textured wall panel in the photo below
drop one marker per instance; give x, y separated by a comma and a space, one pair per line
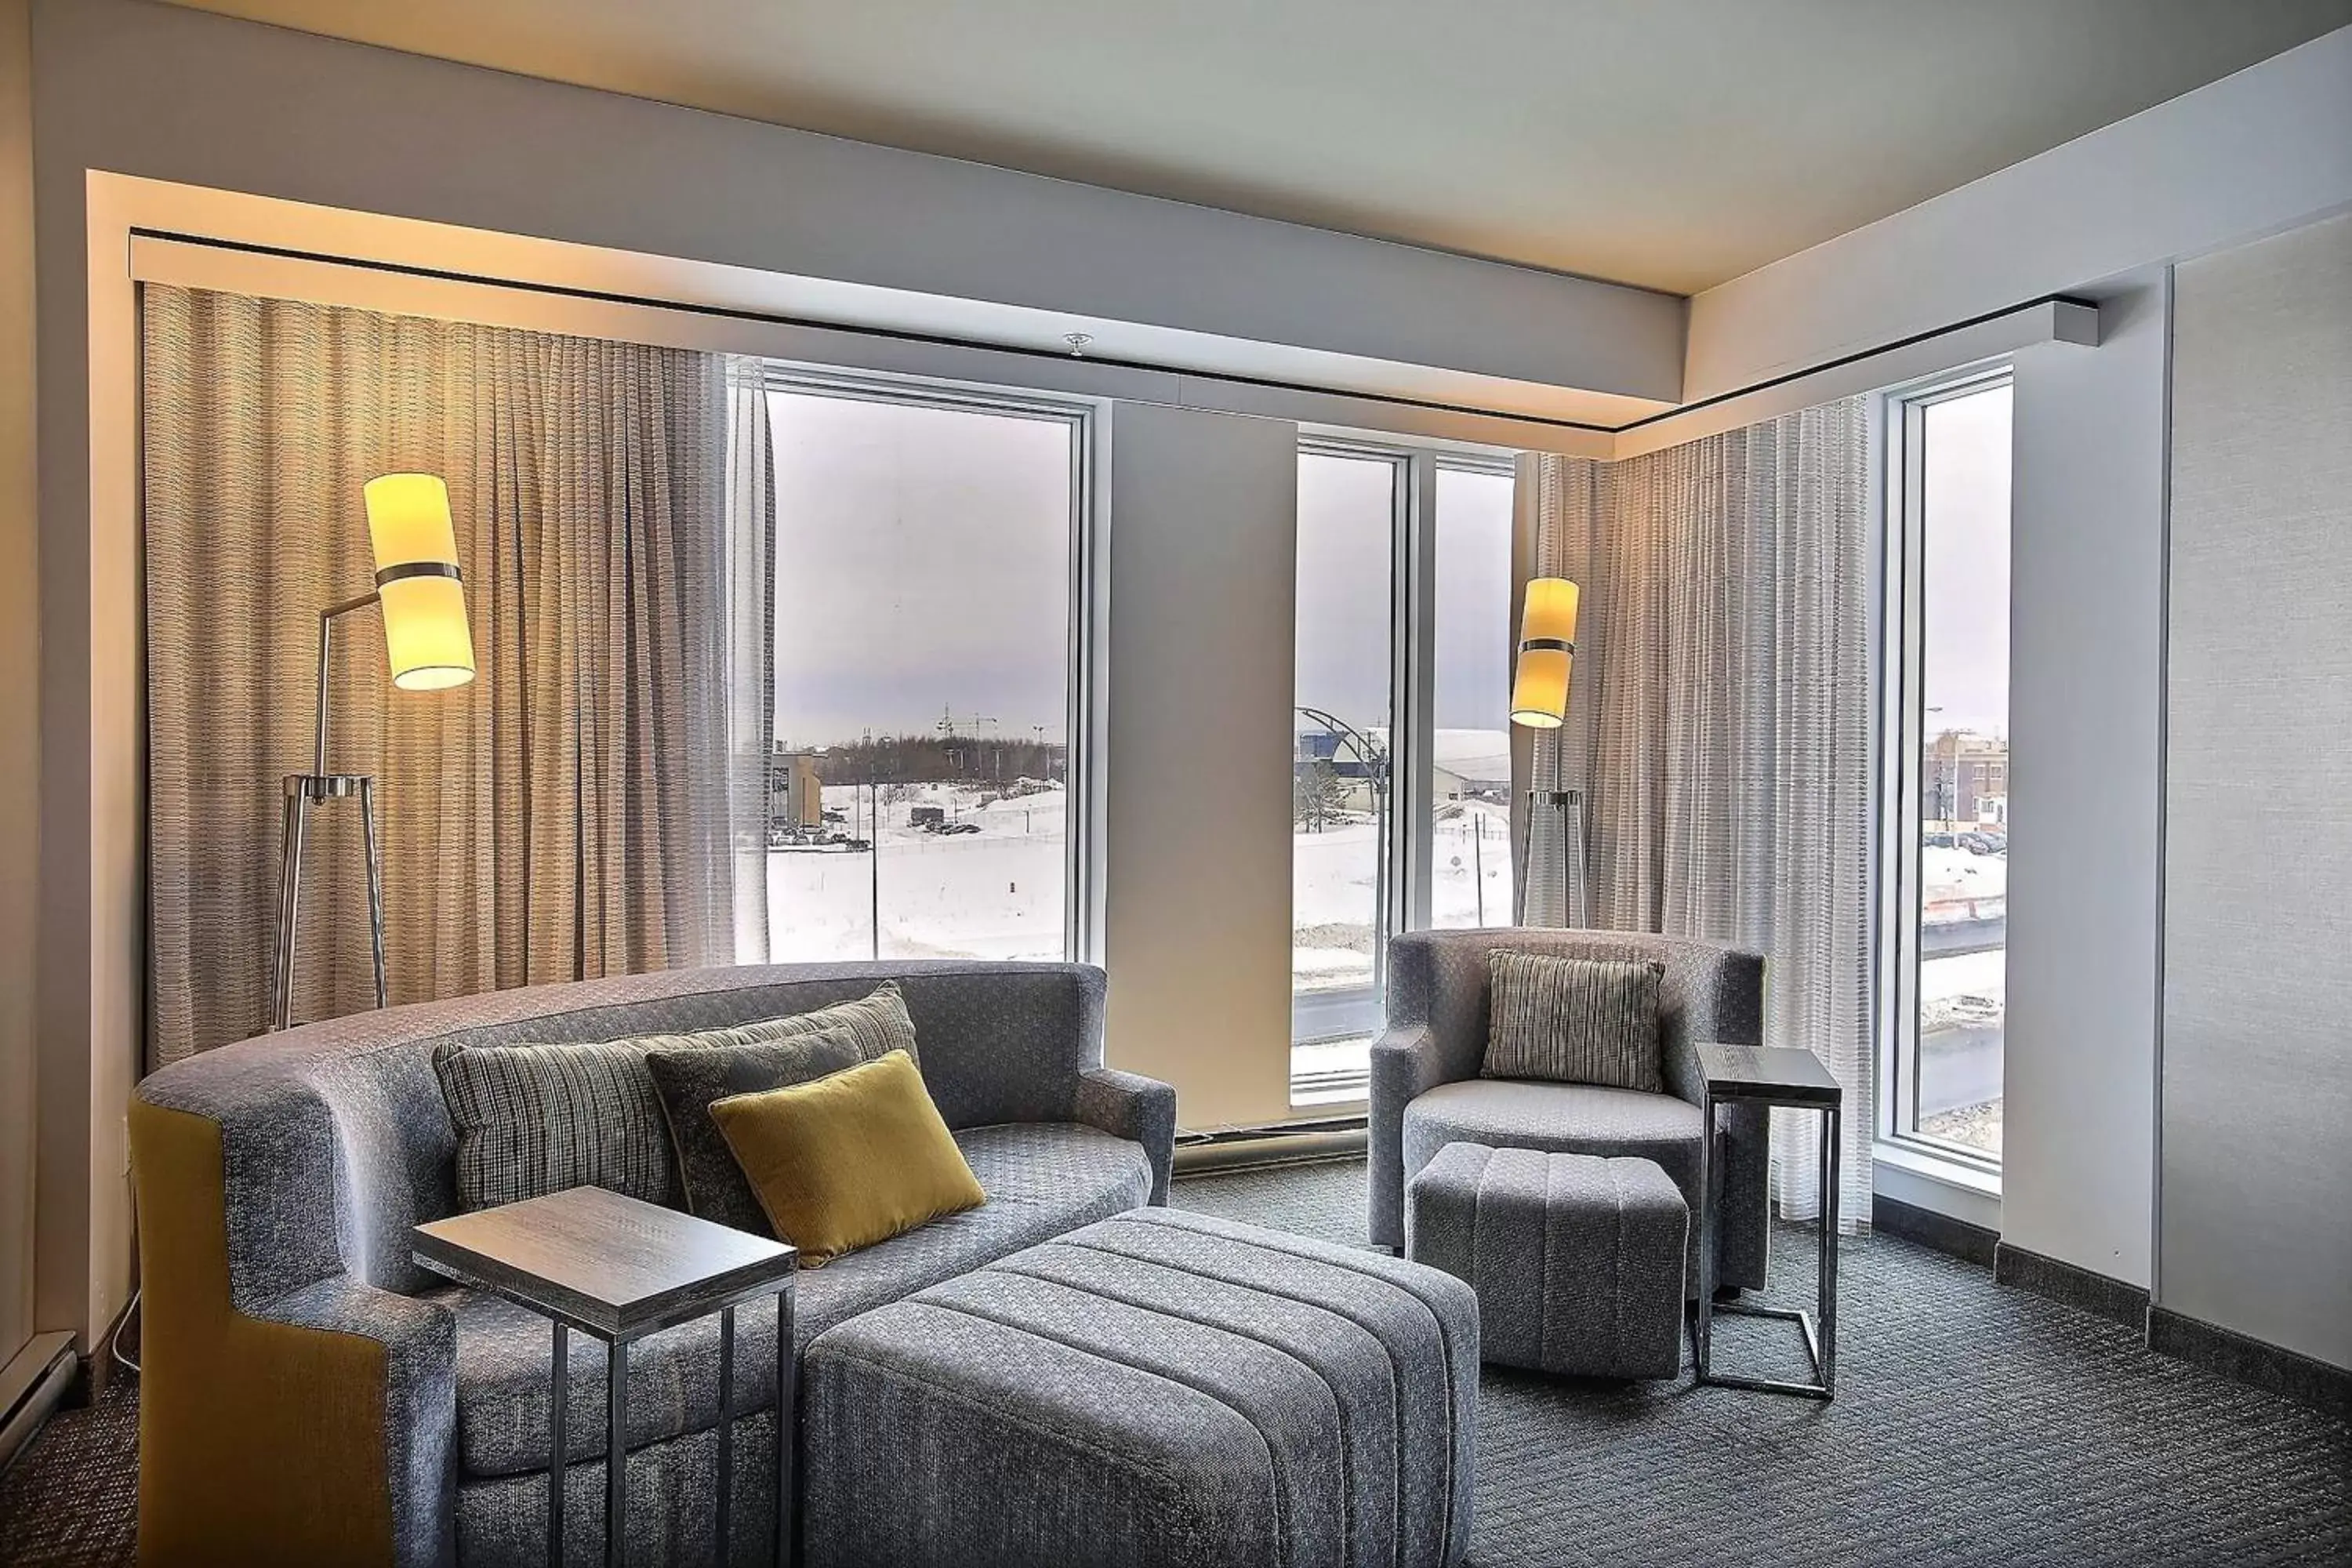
2256, 1163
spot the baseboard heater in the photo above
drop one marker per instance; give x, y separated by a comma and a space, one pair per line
31, 1386
1283, 1143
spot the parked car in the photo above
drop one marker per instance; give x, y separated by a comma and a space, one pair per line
959, 827
1985, 843
1941, 840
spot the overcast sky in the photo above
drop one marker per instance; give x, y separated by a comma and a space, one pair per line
923, 563
1966, 619
1344, 592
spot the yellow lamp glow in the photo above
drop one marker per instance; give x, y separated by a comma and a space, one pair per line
1546, 649
426, 640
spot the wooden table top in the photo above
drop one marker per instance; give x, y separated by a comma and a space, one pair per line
609, 1266
1776, 1074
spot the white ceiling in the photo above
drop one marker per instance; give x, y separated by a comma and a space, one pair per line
1672, 144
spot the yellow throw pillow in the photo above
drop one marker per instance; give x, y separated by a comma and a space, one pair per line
850, 1159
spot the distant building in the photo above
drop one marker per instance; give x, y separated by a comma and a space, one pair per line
796, 791
1470, 764
1965, 780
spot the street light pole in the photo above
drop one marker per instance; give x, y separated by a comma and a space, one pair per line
1375, 759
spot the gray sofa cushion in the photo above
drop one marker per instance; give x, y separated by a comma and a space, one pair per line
673, 1504
1159, 1389
1565, 1019
1042, 1179
710, 1182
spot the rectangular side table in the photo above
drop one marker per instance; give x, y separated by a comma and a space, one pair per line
1753, 1075
617, 1269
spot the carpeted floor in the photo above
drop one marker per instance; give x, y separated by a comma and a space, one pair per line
1973, 1425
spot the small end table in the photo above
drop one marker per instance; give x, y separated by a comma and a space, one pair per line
617, 1269
1754, 1075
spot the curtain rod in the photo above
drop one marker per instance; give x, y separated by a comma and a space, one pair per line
938, 340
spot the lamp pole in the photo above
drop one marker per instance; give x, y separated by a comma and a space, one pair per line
303, 791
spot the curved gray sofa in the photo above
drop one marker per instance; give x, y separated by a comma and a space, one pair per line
1426, 1091
311, 1394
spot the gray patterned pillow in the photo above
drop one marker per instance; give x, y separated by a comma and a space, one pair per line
879, 1021
1573, 1020
689, 1081
537, 1119
533, 1120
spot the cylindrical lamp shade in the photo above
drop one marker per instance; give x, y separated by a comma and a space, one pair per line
1546, 649
426, 637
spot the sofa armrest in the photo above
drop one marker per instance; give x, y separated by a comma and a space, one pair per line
1128, 1105
317, 1425
418, 1412
1406, 1064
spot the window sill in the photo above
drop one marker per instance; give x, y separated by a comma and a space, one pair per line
1950, 1187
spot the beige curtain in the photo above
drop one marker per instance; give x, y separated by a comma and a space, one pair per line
582, 808
1721, 726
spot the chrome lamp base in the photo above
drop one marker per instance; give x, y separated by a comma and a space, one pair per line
303, 791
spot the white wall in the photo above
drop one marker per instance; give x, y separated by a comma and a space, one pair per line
2257, 152
2264, 150
19, 683
2258, 868
2086, 703
1202, 539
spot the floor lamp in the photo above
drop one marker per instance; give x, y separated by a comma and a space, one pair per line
429, 647
1540, 701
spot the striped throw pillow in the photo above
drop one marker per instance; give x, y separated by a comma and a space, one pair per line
537, 1119
533, 1120
1573, 1020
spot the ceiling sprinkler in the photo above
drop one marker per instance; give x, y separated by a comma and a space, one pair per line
1077, 342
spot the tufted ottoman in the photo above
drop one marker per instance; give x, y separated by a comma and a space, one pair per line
1576, 1259
1159, 1388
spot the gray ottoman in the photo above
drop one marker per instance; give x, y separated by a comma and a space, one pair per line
1159, 1388
1576, 1259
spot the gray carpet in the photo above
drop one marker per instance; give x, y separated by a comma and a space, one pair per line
1973, 1425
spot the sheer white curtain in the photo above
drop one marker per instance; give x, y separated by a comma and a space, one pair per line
1721, 727
584, 808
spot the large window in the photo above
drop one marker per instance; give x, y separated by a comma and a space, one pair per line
1948, 631
1342, 860
921, 800
1470, 741
1401, 748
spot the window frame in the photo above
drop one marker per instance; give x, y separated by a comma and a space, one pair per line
1081, 869
1408, 868
1394, 900
1898, 810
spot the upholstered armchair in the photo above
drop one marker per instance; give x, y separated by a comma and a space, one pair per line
1427, 1092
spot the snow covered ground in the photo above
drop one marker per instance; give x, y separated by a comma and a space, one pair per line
996, 893
999, 893
1959, 885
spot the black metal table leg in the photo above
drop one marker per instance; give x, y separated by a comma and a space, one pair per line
726, 1429
1828, 1369
616, 1453
1703, 1320
787, 1428
558, 1393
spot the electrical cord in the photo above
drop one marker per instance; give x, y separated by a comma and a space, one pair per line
114, 1340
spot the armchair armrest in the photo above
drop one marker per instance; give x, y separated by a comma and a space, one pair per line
1406, 1064
1128, 1105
